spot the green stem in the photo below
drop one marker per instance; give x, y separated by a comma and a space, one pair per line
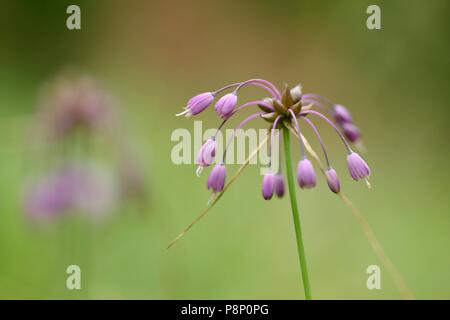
295, 214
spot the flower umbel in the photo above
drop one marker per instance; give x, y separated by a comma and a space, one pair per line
340, 114
288, 110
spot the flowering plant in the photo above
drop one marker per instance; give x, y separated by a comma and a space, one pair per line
287, 110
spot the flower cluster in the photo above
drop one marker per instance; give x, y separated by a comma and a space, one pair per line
81, 187
281, 109
78, 117
71, 104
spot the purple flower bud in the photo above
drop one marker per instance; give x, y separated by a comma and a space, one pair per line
306, 175
216, 179
357, 167
279, 185
341, 114
225, 106
351, 132
207, 153
197, 104
333, 180
268, 186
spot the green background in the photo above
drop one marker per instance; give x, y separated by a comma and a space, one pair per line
153, 56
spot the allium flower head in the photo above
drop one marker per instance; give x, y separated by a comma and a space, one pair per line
306, 176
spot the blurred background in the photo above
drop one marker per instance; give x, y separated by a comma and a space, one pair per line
151, 57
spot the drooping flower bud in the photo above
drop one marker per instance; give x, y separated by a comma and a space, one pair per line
197, 104
357, 167
216, 179
90, 190
206, 153
225, 106
341, 114
306, 176
333, 180
268, 186
351, 132
279, 185
53, 195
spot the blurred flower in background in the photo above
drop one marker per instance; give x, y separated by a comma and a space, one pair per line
152, 55
88, 169
78, 187
72, 103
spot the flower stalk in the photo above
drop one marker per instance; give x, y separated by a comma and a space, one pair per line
295, 215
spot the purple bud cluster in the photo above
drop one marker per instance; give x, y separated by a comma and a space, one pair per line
279, 108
